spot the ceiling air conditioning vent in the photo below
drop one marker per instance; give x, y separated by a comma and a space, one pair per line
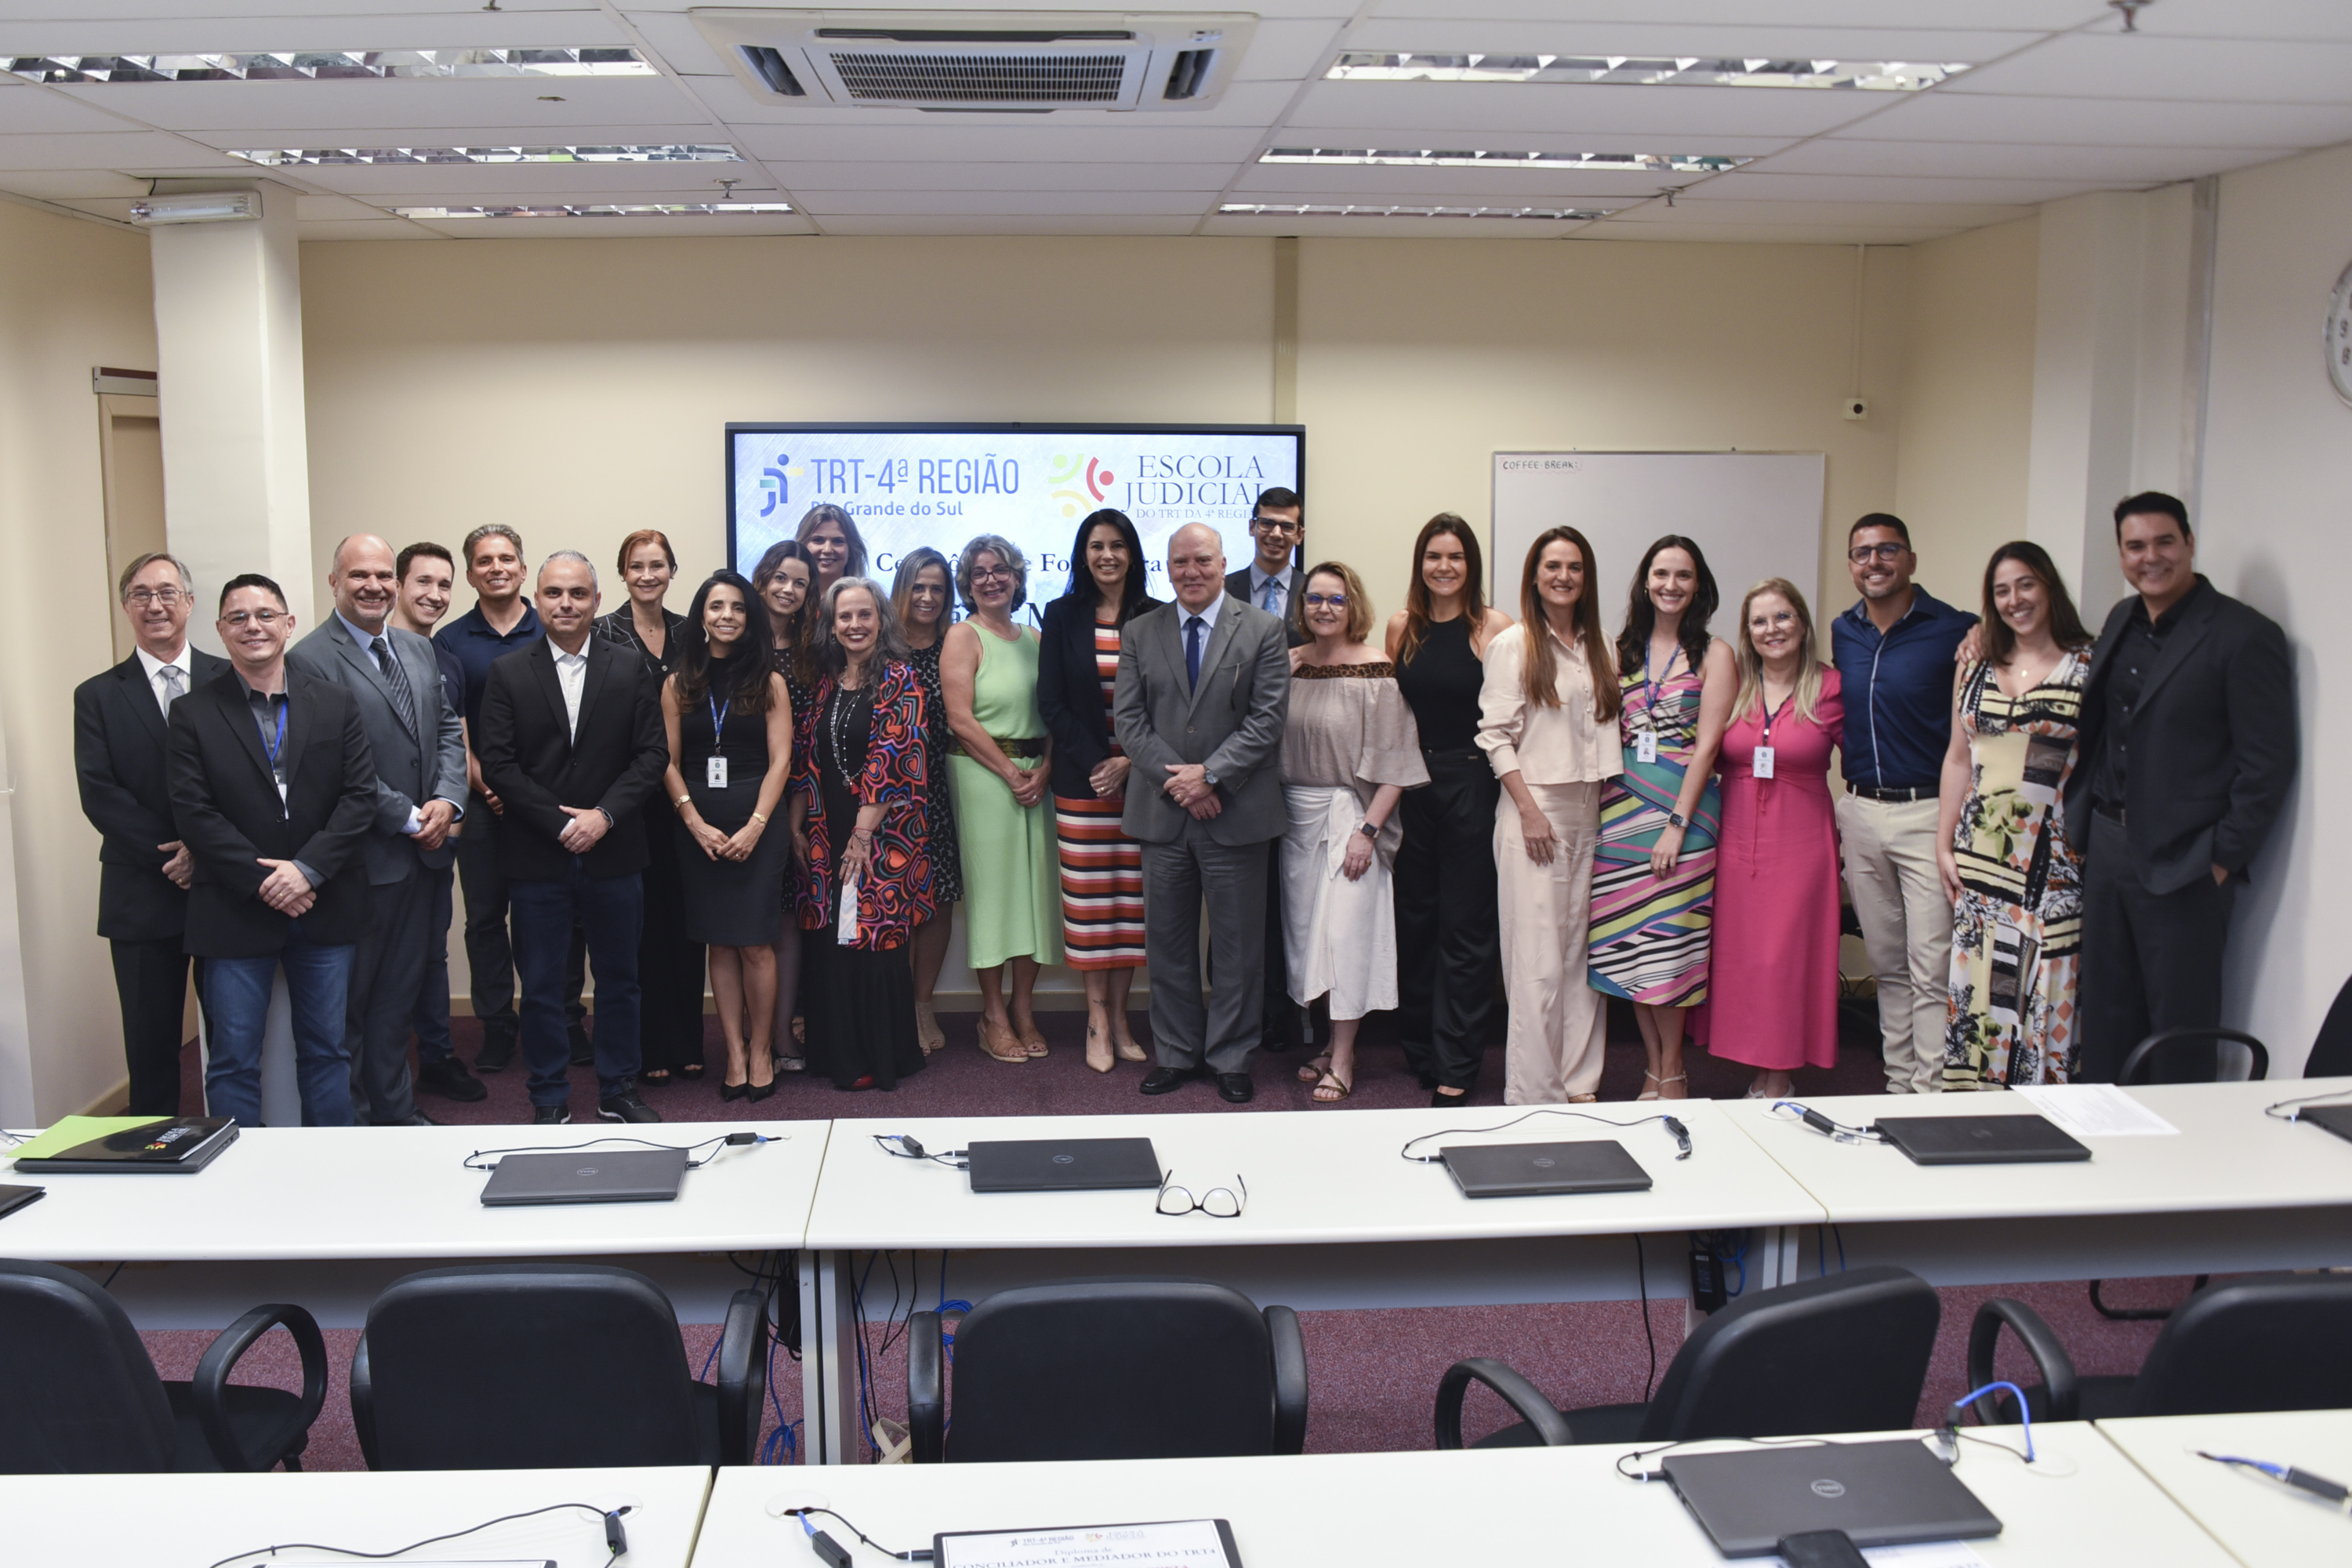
1030, 61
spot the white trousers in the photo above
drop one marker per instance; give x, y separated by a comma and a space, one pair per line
1559, 1024
1907, 928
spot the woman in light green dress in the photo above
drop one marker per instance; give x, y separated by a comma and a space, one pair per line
1011, 875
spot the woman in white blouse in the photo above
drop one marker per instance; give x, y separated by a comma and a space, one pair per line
1547, 723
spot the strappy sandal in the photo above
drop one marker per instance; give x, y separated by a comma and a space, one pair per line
1650, 1076
1031, 1040
1313, 1071
1001, 1043
1584, 1100
1332, 1080
1678, 1078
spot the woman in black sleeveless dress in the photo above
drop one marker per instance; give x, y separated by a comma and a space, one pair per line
1448, 947
784, 581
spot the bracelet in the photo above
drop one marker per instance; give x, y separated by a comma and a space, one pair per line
758, 818
681, 802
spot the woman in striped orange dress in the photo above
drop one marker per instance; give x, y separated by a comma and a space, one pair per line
1102, 868
1654, 868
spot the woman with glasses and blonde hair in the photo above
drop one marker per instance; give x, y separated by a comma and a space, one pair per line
923, 599
999, 761
1548, 722
1775, 958
1349, 752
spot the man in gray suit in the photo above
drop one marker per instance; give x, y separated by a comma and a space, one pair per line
420, 763
1202, 693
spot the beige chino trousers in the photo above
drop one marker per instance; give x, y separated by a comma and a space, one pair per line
1907, 928
1557, 1033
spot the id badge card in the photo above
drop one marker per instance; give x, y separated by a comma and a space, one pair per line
1761, 762
1645, 745
714, 772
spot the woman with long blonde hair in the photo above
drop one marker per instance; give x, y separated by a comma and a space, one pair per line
1776, 870
1548, 722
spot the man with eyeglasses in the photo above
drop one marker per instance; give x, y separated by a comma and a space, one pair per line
274, 792
144, 869
1893, 652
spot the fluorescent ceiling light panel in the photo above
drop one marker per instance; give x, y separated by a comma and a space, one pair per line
663, 209
327, 64
196, 207
287, 157
1293, 210
1883, 76
1438, 158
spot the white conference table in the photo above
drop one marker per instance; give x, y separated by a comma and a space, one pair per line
2234, 1191
2089, 1505
197, 1520
2263, 1523
327, 1216
1335, 1219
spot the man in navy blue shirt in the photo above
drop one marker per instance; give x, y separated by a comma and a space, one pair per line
1895, 652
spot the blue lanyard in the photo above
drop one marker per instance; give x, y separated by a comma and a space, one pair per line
719, 723
278, 744
1651, 690
1771, 717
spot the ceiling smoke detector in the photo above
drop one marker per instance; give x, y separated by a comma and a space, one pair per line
980, 62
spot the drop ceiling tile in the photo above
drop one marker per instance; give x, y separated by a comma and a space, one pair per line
521, 193
1748, 185
678, 42
1392, 228
337, 11
70, 185
2253, 19
2022, 15
1692, 209
25, 107
148, 29
1427, 107
1287, 51
1988, 159
1745, 39
902, 224
106, 150
322, 106
1842, 234
571, 182
2111, 123
1510, 187
1304, 132
569, 134
808, 179
1008, 203
749, 228
841, 137
310, 208
313, 233
2146, 67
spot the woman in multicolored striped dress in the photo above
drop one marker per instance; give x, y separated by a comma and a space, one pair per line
1653, 870
923, 599
1102, 867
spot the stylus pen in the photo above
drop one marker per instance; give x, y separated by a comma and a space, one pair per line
2336, 1492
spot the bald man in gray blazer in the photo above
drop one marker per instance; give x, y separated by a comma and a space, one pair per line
1202, 694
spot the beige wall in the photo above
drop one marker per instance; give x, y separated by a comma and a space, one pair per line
73, 295
2278, 466
1968, 402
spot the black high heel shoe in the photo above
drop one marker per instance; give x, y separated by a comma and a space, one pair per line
735, 1090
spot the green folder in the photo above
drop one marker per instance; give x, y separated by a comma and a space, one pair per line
73, 1131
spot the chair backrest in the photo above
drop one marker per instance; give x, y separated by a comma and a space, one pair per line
525, 1365
79, 1393
1845, 1354
1112, 1369
2198, 1054
2261, 1342
2331, 1052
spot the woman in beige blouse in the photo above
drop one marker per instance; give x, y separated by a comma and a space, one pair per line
1349, 750
1548, 722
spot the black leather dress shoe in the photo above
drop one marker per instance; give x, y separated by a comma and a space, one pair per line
448, 1078
1167, 1080
551, 1115
1236, 1087
626, 1107
498, 1051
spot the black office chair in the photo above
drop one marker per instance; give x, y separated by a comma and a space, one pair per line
1110, 1369
78, 1395
2331, 1052
1847, 1354
550, 1366
2264, 1342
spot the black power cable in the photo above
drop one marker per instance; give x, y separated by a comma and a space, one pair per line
615, 1537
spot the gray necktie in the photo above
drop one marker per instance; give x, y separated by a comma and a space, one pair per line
176, 686
403, 701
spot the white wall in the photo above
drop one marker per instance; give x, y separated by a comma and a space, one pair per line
2278, 468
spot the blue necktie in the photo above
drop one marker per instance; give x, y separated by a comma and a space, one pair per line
1271, 600
1193, 652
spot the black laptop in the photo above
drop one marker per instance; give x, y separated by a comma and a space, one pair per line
172, 1145
1880, 1493
2336, 1118
1981, 1140
1536, 1170
1062, 1164
586, 1176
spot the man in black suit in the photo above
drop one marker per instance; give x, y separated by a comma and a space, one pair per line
570, 743
144, 869
420, 759
273, 790
1270, 582
2186, 748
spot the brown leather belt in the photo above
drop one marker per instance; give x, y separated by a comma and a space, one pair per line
1034, 746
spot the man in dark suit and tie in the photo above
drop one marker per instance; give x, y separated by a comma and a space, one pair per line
1270, 582
420, 762
144, 869
2186, 751
1202, 692
570, 743
273, 790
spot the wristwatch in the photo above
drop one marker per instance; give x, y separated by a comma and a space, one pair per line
1368, 830
1208, 777
1675, 819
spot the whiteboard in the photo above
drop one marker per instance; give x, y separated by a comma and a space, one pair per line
1756, 515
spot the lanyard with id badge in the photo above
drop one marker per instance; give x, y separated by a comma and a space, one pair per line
1760, 759
277, 749
714, 766
1645, 739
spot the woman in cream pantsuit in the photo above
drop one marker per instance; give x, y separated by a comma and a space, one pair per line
1547, 723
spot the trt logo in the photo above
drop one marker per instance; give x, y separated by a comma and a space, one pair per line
777, 482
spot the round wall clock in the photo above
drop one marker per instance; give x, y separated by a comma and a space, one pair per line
2337, 340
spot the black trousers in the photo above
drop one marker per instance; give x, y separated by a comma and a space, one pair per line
1448, 948
2150, 962
386, 973
151, 980
490, 947
669, 966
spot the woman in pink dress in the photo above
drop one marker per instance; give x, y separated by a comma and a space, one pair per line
1774, 982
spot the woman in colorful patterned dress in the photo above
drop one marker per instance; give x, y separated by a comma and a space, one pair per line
2015, 883
858, 777
922, 599
1102, 867
1653, 870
